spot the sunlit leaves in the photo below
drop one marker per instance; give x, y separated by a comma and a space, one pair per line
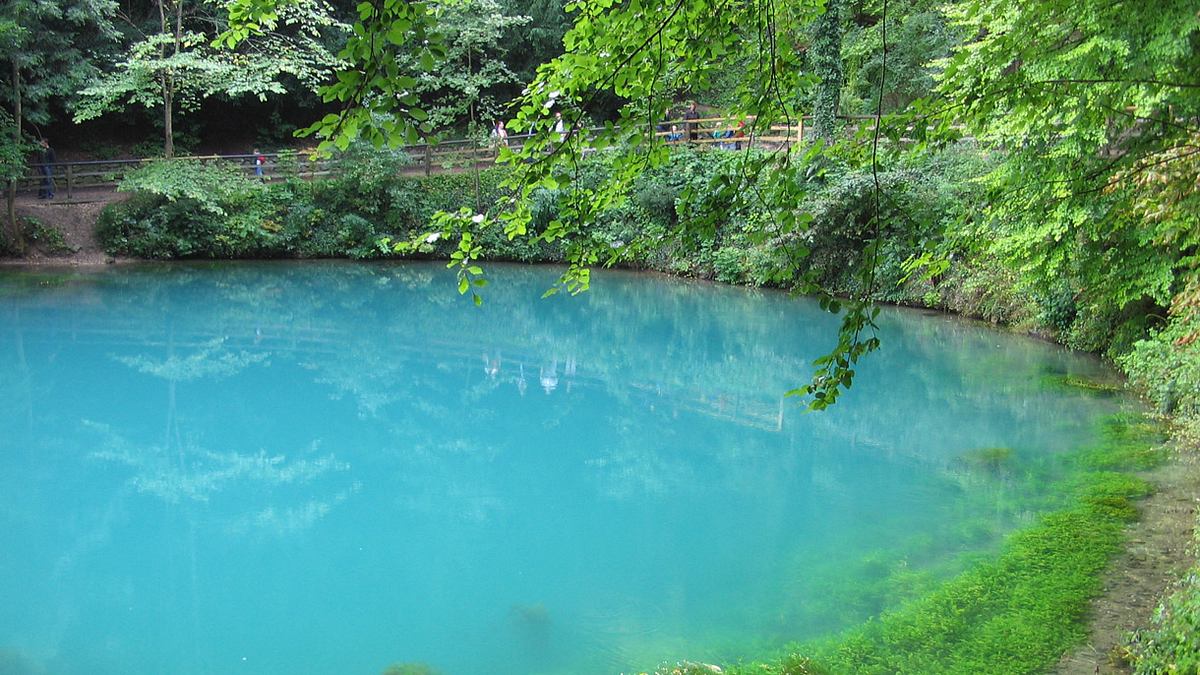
1095, 104
208, 186
191, 70
835, 371
458, 88
375, 89
649, 54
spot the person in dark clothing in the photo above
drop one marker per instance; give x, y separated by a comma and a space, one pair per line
48, 160
689, 121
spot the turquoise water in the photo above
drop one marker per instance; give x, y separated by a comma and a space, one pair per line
330, 468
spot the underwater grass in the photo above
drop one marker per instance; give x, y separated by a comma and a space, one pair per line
1017, 612
1082, 384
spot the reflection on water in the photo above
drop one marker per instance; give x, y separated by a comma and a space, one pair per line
286, 468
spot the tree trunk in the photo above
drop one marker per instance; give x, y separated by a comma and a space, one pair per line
827, 63
473, 126
168, 82
168, 128
18, 237
170, 121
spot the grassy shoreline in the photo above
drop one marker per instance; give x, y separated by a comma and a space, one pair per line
1015, 612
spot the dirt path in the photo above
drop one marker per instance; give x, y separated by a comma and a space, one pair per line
75, 220
1156, 556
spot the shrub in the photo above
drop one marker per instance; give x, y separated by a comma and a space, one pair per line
1166, 365
48, 238
656, 198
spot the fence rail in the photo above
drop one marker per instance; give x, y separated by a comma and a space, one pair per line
428, 158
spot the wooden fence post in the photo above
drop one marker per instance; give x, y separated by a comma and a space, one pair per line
70, 181
428, 158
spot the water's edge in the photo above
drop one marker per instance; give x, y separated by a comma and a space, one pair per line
1126, 559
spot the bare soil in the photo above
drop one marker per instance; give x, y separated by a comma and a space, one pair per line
75, 219
1157, 554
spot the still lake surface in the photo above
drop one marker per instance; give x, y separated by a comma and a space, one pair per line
328, 468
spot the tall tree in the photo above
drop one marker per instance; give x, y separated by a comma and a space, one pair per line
50, 48
174, 67
12, 167
461, 87
1095, 105
825, 57
920, 38
539, 40
374, 89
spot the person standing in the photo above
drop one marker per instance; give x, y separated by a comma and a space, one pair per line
48, 159
260, 161
560, 126
689, 122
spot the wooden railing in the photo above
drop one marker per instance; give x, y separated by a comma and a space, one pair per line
711, 132
75, 176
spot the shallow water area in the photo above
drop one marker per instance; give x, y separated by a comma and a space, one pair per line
277, 468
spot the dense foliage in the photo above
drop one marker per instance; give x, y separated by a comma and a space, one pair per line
1093, 107
190, 209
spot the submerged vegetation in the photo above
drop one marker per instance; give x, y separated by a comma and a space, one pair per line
409, 669
993, 460
1019, 611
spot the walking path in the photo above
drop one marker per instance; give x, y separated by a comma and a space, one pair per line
1157, 554
720, 133
75, 220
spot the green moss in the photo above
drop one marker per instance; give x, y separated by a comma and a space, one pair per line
1014, 613
993, 460
1079, 383
1127, 443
